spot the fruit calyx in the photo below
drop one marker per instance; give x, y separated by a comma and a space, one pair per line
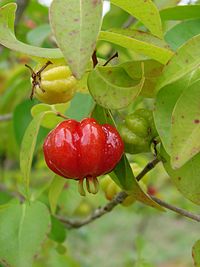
36, 78
92, 185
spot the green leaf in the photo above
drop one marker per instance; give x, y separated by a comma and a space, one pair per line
16, 89
76, 25
21, 119
180, 12
152, 71
182, 32
23, 228
58, 260
186, 59
8, 39
28, 147
166, 3
185, 131
38, 35
140, 42
80, 106
112, 87
58, 232
165, 102
186, 178
115, 18
122, 174
196, 253
55, 190
145, 11
50, 120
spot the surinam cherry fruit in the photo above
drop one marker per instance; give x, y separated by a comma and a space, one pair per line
83, 150
52, 83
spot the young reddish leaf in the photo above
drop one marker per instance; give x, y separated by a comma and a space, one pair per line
76, 25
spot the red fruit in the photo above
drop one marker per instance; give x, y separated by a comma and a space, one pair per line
151, 190
85, 149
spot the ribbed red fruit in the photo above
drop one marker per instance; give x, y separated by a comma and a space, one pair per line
83, 149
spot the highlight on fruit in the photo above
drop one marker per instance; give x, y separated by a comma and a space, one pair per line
83, 151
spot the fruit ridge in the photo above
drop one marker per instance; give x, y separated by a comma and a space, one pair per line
85, 149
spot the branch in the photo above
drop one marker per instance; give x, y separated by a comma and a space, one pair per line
3, 188
129, 22
147, 168
5, 117
118, 199
180, 211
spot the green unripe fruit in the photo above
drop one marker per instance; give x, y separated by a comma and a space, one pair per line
137, 124
133, 144
138, 131
112, 190
129, 200
148, 115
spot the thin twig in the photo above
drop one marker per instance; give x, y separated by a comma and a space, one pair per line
6, 117
120, 197
129, 22
112, 57
180, 211
3, 188
99, 212
147, 168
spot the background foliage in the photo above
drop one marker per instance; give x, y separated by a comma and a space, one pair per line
158, 69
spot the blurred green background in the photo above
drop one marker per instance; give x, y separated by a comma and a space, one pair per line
135, 236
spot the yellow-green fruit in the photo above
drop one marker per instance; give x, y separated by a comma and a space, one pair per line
57, 85
105, 181
129, 200
83, 209
112, 190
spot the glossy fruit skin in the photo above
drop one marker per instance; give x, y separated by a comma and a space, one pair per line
57, 85
85, 149
138, 131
